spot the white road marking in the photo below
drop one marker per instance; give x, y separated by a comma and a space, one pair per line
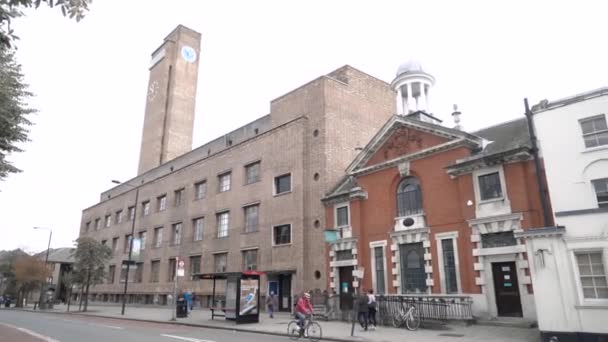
107, 326
190, 339
32, 333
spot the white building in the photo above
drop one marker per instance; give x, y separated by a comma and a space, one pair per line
569, 262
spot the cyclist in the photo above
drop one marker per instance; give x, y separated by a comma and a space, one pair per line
303, 309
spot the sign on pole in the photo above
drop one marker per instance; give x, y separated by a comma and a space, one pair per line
180, 267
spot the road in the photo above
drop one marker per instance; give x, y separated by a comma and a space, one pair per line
37, 327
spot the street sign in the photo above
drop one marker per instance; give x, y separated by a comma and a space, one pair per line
180, 267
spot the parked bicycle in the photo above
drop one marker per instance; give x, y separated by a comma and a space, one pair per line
410, 317
311, 330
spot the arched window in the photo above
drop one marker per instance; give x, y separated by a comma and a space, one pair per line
409, 197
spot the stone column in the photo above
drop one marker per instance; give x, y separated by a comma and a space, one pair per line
399, 101
422, 98
410, 98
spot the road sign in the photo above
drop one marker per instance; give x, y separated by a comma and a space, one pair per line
180, 267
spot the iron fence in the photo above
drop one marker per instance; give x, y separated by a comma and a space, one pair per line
430, 307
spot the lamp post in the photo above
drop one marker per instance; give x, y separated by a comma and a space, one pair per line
46, 260
128, 262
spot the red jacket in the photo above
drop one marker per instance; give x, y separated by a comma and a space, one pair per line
304, 306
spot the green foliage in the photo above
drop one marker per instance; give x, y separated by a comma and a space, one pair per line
13, 110
11, 9
91, 256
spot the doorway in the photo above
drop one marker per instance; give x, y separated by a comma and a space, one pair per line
346, 287
284, 292
506, 288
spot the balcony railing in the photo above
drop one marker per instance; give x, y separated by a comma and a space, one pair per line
438, 308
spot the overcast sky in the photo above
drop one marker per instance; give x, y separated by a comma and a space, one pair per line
90, 78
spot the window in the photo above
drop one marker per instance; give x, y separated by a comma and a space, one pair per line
449, 266
409, 197
127, 243
501, 239
346, 254
282, 234
177, 234
413, 276
142, 238
88, 226
172, 269
224, 182
146, 208
108, 221
200, 190
252, 173
252, 214
179, 195
114, 244
199, 225
592, 273
139, 272
97, 224
161, 202
123, 273
342, 216
250, 260
222, 224
379, 266
601, 191
118, 218
155, 271
104, 242
195, 264
282, 184
595, 132
111, 273
489, 186
131, 213
220, 260
158, 237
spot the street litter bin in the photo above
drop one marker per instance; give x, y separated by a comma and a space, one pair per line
181, 308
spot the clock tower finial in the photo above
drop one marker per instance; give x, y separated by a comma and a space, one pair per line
171, 99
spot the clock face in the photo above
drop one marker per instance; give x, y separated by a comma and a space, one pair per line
188, 54
152, 90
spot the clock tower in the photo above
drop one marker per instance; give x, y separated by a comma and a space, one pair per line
170, 100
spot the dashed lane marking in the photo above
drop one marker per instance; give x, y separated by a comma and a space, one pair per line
190, 339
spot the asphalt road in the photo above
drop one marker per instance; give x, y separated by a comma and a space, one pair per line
20, 326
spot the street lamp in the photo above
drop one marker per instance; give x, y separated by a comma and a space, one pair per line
46, 260
129, 262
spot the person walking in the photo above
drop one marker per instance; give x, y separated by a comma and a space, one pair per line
362, 310
372, 307
271, 303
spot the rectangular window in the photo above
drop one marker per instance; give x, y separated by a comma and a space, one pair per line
252, 173
158, 237
222, 224
195, 264
379, 264
161, 203
123, 273
172, 269
127, 243
250, 260
104, 242
592, 274
131, 213
282, 184
220, 261
111, 274
601, 192
139, 272
224, 181
118, 217
88, 226
97, 224
114, 244
501, 239
342, 216
108, 221
198, 225
346, 254
251, 218
489, 186
200, 190
282, 234
179, 196
595, 132
146, 208
449, 266
155, 271
142, 238
177, 234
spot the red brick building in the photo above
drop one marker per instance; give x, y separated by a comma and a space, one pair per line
425, 209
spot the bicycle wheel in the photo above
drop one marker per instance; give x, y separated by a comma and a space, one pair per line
398, 319
314, 331
293, 330
413, 319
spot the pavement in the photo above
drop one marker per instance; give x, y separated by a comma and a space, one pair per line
332, 330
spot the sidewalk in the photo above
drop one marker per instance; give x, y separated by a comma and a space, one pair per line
334, 330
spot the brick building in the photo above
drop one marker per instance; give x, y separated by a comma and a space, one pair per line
248, 200
427, 209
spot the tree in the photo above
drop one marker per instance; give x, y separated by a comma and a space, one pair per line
91, 256
29, 273
11, 9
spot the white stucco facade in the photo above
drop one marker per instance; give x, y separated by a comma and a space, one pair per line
557, 255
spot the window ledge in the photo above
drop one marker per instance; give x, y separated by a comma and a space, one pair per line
252, 232
221, 237
257, 181
282, 193
603, 305
594, 149
499, 199
283, 245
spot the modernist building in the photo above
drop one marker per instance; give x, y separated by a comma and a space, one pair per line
569, 262
248, 200
428, 209
60, 262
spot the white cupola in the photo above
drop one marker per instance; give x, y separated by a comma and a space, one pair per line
412, 86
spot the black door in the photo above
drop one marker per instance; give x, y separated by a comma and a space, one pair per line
346, 287
284, 292
506, 288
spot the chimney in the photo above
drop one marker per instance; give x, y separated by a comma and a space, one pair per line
456, 115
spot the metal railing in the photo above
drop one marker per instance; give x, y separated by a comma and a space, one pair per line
439, 308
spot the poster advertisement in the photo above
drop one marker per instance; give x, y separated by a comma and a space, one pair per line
249, 297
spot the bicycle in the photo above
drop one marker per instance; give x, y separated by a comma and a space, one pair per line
313, 329
409, 317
